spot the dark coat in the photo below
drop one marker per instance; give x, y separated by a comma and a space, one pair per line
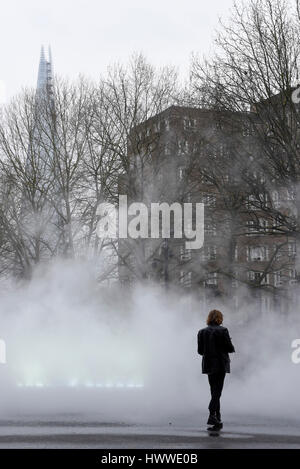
214, 344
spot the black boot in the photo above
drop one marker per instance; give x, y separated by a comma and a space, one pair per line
212, 419
218, 415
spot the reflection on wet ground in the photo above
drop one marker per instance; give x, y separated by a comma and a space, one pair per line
86, 431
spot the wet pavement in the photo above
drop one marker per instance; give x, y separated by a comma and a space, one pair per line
92, 431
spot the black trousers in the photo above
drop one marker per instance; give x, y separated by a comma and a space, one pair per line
216, 382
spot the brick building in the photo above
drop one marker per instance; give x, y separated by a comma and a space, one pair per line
194, 155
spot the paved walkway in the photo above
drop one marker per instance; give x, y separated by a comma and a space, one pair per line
82, 431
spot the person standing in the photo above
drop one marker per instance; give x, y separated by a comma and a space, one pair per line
214, 345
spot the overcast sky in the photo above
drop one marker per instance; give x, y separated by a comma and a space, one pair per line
87, 35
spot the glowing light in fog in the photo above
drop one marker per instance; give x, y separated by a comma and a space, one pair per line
73, 383
88, 384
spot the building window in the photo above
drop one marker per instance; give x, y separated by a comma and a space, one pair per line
257, 253
211, 253
167, 149
288, 250
260, 177
157, 126
183, 147
236, 253
181, 173
185, 254
195, 147
252, 276
292, 249
277, 222
185, 278
212, 279
282, 277
257, 277
292, 276
189, 123
278, 279
247, 129
263, 225
223, 151
275, 199
250, 228
265, 279
210, 230
167, 124
252, 202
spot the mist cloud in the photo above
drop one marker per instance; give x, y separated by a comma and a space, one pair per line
77, 346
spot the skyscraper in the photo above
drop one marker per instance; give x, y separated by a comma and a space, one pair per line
39, 217
45, 74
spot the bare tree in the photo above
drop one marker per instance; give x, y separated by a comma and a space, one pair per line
48, 191
131, 97
64, 153
254, 73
